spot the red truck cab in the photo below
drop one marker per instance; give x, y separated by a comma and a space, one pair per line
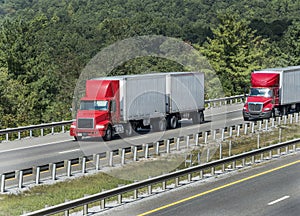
97, 110
263, 97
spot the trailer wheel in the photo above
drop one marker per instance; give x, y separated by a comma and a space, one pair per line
173, 122
108, 133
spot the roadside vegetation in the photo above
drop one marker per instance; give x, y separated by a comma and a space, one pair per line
44, 45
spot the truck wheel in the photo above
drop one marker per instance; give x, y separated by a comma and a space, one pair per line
173, 122
108, 133
201, 117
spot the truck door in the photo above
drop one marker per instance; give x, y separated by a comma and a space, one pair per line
112, 109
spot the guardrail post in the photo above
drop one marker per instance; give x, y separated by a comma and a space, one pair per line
230, 132
2, 188
85, 207
229, 148
135, 153
37, 175
187, 141
66, 211
214, 134
196, 137
258, 140
123, 156
63, 129
213, 171
52, 168
291, 119
178, 143
273, 122
238, 130
110, 158
296, 117
168, 146
176, 182
207, 154
19, 173
205, 137
97, 161
266, 124
19, 135
245, 128
201, 174
52, 130
279, 121
69, 166
42, 131
7, 138
259, 125
223, 134
220, 152
149, 188
252, 127
30, 133
83, 170
164, 185
189, 177
284, 119
157, 148
102, 202
146, 146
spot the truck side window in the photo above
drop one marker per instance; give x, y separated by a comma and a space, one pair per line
113, 106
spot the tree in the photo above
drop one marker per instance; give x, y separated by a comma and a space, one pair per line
291, 44
234, 51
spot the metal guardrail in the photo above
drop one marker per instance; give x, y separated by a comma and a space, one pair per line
65, 207
210, 103
31, 128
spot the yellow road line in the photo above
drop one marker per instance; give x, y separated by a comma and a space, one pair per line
218, 188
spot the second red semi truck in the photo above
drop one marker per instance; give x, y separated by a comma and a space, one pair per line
274, 91
122, 104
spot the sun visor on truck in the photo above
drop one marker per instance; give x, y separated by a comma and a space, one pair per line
265, 79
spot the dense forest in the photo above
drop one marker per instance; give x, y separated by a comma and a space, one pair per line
44, 45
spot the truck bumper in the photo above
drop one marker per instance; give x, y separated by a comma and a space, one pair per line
84, 133
262, 115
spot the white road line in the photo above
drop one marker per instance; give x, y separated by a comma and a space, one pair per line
68, 151
236, 119
34, 146
139, 137
278, 200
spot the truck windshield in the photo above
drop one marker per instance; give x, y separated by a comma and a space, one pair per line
262, 92
94, 105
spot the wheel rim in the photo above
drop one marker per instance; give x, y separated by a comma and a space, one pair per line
173, 122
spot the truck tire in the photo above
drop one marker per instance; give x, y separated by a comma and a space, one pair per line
201, 117
173, 122
108, 133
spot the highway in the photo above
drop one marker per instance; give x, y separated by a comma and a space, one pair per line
26, 153
271, 189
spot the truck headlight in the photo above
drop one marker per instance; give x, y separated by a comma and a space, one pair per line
100, 126
267, 109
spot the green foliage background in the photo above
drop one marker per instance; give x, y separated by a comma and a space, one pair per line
44, 45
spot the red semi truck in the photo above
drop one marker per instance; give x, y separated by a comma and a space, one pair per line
122, 104
273, 92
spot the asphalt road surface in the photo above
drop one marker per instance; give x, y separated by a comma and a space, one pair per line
272, 189
26, 153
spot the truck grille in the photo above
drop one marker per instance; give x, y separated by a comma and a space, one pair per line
85, 123
255, 107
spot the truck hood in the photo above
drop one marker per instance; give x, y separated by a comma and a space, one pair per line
99, 116
259, 100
